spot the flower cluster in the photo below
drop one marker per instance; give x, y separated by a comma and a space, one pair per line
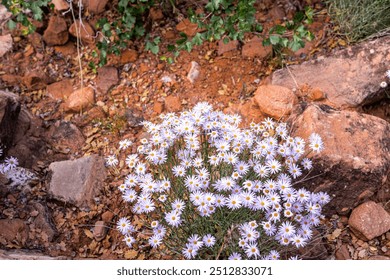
220, 191
17, 175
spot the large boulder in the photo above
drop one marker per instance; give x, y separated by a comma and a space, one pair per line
356, 159
350, 78
20, 132
77, 181
9, 114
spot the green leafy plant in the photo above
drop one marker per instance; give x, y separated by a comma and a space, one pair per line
229, 20
224, 19
221, 19
292, 34
22, 10
153, 45
129, 26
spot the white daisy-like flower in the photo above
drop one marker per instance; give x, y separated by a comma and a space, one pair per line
209, 240
154, 224
130, 195
122, 187
129, 240
123, 225
173, 218
388, 73
140, 168
269, 123
178, 205
155, 241
252, 250
298, 240
220, 201
111, 161
303, 195
189, 251
160, 230
124, 144
196, 241
261, 203
307, 164
274, 166
179, 171
235, 256
286, 229
273, 255
294, 170
234, 201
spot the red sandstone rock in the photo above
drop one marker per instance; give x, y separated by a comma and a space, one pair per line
346, 170
107, 78
187, 27
275, 101
232, 45
80, 99
82, 30
369, 220
56, 32
172, 103
60, 90
255, 48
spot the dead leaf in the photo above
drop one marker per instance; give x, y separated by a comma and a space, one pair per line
82, 215
334, 234
138, 222
92, 131
88, 233
131, 254
342, 42
92, 246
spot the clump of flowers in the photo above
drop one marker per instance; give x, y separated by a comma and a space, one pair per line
210, 190
18, 176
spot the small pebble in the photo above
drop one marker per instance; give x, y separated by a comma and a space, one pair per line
99, 231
